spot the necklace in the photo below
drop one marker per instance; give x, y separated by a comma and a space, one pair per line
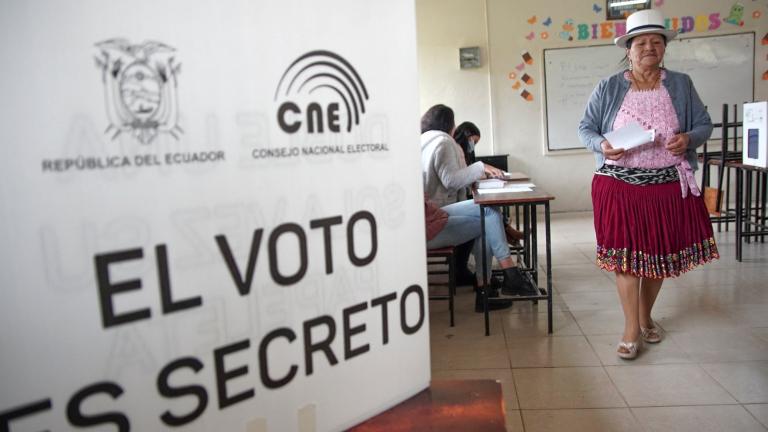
644, 85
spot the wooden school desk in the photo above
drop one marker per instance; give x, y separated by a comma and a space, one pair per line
529, 202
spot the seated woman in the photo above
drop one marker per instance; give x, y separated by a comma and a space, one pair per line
446, 174
458, 223
467, 135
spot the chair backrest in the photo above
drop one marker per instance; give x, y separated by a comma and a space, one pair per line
499, 161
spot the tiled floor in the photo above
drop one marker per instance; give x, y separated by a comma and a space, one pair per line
709, 374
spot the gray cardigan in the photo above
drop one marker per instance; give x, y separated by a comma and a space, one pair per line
445, 171
606, 100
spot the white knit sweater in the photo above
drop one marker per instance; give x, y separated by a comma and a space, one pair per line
445, 172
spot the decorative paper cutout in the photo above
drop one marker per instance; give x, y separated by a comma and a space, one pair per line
700, 23
765, 76
526, 95
736, 15
527, 58
512, 75
520, 67
527, 79
516, 85
568, 27
765, 39
547, 21
532, 20
658, 3
596, 8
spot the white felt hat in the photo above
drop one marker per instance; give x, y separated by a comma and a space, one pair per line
642, 22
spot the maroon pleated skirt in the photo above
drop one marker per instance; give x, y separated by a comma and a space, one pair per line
650, 231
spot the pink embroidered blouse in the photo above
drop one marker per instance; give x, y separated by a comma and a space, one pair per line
653, 109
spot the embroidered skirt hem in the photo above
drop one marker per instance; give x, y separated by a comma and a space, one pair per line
650, 231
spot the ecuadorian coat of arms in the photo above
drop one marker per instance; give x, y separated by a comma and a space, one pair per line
140, 88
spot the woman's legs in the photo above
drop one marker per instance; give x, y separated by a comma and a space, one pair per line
463, 225
495, 243
515, 283
628, 287
637, 298
649, 290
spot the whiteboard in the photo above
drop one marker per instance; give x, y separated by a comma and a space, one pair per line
722, 69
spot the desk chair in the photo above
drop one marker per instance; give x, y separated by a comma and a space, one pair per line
721, 210
445, 261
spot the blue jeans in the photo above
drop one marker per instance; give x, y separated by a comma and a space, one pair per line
464, 225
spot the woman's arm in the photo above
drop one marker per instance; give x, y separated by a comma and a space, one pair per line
451, 174
590, 127
701, 123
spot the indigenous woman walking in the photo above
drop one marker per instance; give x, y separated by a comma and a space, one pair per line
650, 219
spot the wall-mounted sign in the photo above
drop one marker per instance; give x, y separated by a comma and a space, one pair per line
621, 9
469, 57
209, 230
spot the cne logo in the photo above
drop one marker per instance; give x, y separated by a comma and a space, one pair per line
305, 80
139, 88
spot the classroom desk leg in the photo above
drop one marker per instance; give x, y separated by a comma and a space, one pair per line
526, 236
739, 210
548, 235
534, 246
748, 205
762, 204
529, 261
486, 283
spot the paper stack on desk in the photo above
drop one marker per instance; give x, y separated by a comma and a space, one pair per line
631, 135
510, 188
490, 183
515, 176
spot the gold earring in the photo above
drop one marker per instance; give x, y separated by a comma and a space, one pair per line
630, 65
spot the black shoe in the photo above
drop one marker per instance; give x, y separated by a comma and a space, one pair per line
465, 277
492, 305
493, 289
493, 292
515, 283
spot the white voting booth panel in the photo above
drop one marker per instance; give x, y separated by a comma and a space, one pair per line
210, 215
755, 145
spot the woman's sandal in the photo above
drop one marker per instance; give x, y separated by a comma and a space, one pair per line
630, 349
652, 335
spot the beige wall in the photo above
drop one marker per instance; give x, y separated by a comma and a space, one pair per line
444, 26
517, 125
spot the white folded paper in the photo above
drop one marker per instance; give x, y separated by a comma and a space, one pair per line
631, 135
490, 183
504, 190
517, 188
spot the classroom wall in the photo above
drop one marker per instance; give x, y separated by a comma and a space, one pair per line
444, 26
517, 123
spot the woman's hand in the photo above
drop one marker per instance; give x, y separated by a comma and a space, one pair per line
611, 153
492, 172
678, 144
